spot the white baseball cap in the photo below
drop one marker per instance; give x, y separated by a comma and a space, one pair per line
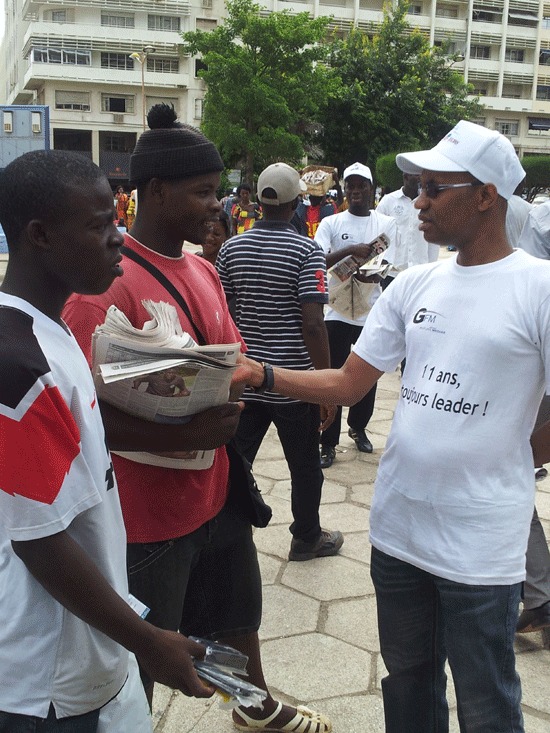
284, 180
358, 169
485, 154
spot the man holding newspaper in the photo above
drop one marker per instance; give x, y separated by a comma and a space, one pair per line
191, 557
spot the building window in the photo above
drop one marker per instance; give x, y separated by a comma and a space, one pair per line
511, 91
59, 16
200, 66
514, 54
543, 92
516, 17
58, 56
487, 16
116, 61
205, 24
447, 12
163, 23
540, 124
480, 92
510, 128
72, 100
480, 52
198, 108
415, 10
546, 21
117, 21
544, 57
117, 103
168, 66
117, 143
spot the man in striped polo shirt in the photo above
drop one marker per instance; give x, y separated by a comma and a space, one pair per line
278, 280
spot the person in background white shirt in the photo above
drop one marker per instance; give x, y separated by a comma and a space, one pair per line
340, 235
516, 216
410, 247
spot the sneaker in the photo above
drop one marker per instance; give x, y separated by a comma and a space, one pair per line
328, 544
540, 473
361, 441
534, 619
328, 454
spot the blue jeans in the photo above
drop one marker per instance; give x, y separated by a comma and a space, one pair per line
422, 621
14, 723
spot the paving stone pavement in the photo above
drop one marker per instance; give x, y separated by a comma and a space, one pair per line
319, 638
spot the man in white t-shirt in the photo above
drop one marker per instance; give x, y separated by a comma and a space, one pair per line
455, 488
65, 621
350, 232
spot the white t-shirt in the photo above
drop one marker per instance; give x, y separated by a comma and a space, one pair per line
55, 475
535, 237
455, 488
339, 231
410, 247
516, 215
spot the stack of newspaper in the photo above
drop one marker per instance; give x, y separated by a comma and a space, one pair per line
160, 373
222, 667
351, 296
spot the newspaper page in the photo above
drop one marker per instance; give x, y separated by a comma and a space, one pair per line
159, 373
348, 266
353, 298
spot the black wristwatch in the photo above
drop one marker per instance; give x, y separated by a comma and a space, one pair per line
269, 379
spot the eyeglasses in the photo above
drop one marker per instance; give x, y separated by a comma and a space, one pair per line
432, 189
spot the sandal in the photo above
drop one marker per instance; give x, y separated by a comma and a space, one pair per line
305, 721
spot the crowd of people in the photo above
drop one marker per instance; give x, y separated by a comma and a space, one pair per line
90, 518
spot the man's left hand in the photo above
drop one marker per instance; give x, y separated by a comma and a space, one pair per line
328, 413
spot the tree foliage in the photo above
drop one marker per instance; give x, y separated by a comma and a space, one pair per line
387, 172
537, 169
395, 93
265, 80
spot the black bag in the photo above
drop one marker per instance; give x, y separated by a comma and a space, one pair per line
244, 493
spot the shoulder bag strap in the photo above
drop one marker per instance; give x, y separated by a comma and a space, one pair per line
165, 282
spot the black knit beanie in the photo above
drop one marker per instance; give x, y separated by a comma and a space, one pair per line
171, 149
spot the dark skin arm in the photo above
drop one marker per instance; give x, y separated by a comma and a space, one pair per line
540, 444
344, 386
62, 567
362, 251
206, 430
315, 337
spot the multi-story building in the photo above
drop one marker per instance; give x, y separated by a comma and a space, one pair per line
99, 63
504, 46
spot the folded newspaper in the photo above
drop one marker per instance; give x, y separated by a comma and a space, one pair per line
219, 667
348, 266
160, 373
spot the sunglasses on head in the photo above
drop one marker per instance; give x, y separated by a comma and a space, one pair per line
432, 189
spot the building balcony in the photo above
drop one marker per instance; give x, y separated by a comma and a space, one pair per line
503, 104
31, 8
99, 38
38, 73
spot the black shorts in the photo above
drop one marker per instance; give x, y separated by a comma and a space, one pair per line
206, 583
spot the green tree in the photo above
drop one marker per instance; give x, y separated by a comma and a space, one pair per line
537, 169
265, 79
387, 172
396, 93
